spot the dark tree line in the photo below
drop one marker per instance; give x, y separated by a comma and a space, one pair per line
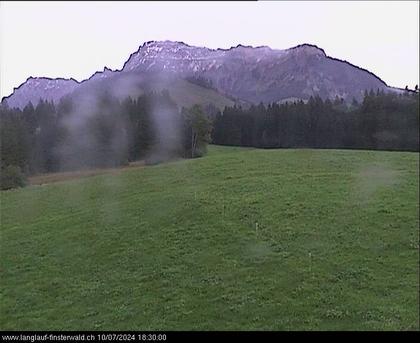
102, 131
95, 133
382, 121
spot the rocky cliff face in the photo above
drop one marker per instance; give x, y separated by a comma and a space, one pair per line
259, 74
252, 74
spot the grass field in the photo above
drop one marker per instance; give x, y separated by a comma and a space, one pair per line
242, 239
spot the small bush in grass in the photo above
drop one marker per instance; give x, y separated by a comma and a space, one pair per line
12, 177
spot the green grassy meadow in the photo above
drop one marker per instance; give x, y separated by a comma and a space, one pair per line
241, 239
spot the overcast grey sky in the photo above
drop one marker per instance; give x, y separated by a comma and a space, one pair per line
75, 39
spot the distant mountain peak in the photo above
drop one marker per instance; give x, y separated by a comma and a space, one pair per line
308, 48
102, 74
252, 74
163, 44
49, 79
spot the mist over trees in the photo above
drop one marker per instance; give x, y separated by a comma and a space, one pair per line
107, 132
100, 134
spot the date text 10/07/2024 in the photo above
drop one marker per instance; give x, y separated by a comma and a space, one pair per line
132, 337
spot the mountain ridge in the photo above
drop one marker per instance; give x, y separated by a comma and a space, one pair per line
255, 74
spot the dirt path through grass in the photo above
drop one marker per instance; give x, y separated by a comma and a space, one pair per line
64, 176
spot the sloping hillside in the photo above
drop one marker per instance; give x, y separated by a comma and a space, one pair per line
183, 92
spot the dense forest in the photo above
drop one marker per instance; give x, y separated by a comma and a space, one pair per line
103, 131
97, 133
382, 121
